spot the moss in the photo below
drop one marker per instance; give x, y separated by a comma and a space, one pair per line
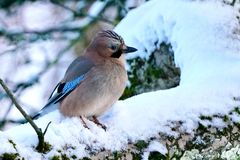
9, 156
237, 110
237, 124
86, 158
202, 117
47, 147
202, 129
136, 156
156, 156
13, 144
141, 144
64, 157
225, 118
56, 157
74, 157
156, 72
117, 155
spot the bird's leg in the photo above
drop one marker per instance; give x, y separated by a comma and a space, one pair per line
95, 120
84, 123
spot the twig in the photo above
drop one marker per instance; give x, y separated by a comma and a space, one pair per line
9, 51
45, 131
80, 14
121, 5
2, 123
11, 34
35, 79
230, 3
233, 3
38, 130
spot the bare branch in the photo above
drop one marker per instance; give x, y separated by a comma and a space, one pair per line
121, 5
19, 34
49, 64
233, 3
81, 14
38, 130
45, 131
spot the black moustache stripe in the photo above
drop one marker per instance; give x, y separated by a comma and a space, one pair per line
117, 54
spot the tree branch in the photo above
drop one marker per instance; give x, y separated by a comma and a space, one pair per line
233, 3
38, 130
80, 14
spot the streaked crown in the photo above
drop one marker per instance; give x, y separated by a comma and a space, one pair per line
108, 43
111, 34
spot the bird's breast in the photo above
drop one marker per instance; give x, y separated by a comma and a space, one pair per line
103, 86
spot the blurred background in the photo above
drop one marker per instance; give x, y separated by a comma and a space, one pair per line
39, 39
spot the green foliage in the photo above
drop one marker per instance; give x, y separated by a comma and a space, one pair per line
56, 157
65, 157
14, 144
203, 117
140, 145
6, 4
62, 157
117, 155
9, 156
74, 157
237, 110
86, 158
156, 156
136, 156
46, 147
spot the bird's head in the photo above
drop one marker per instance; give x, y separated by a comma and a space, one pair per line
108, 43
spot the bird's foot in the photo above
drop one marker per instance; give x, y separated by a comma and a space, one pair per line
84, 123
95, 120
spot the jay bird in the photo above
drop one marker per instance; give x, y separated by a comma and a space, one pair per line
94, 81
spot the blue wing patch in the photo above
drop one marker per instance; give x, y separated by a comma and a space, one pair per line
72, 84
61, 93
68, 87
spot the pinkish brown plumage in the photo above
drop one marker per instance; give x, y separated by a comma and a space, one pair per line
95, 81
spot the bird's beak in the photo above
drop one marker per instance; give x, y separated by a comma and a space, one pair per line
128, 49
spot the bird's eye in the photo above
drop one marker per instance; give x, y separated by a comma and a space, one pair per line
113, 47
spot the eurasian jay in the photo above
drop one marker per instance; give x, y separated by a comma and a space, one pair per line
93, 82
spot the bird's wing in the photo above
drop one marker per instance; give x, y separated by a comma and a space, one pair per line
74, 75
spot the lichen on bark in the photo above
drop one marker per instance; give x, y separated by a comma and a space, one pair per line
155, 73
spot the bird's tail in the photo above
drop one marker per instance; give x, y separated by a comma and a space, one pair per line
36, 116
45, 110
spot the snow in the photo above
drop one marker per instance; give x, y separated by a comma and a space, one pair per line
206, 47
34, 21
154, 146
235, 118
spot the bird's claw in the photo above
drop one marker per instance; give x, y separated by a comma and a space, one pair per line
95, 120
84, 123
